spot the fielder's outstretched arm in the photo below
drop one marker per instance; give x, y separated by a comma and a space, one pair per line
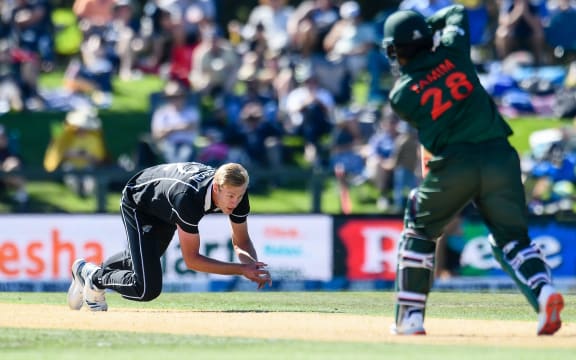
194, 260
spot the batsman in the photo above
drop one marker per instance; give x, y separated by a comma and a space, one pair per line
438, 92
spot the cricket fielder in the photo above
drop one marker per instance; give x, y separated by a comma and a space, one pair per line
439, 93
156, 203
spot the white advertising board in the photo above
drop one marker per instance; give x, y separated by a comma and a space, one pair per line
294, 246
43, 247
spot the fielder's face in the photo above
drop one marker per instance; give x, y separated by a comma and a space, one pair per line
228, 197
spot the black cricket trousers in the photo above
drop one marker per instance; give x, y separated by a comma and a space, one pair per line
136, 272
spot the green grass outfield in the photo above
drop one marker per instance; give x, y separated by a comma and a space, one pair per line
21, 343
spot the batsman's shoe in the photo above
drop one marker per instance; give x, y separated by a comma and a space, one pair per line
411, 324
94, 298
76, 289
551, 304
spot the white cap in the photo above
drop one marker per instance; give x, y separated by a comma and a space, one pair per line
84, 118
349, 10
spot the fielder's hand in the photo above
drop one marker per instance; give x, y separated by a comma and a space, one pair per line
257, 273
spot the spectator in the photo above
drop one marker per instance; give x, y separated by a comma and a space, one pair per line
560, 30
403, 163
301, 30
184, 44
272, 16
520, 27
32, 32
214, 64
346, 144
158, 23
193, 14
310, 109
176, 125
169, 32
197, 14
79, 148
92, 74
256, 43
323, 15
377, 64
553, 178
483, 16
257, 84
309, 25
261, 138
93, 14
11, 162
277, 75
10, 92
124, 38
377, 153
350, 39
33, 29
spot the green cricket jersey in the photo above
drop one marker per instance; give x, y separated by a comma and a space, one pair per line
439, 92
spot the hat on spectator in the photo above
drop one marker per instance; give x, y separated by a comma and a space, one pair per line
248, 71
4, 44
303, 72
174, 89
84, 118
119, 3
349, 10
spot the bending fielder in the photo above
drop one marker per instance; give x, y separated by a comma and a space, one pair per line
157, 202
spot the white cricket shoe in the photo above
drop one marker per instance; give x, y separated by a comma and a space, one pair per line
411, 324
76, 289
551, 304
93, 297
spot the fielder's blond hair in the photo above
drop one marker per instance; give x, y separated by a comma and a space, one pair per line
231, 174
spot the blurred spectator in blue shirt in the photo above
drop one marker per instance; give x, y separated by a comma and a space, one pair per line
520, 27
260, 138
310, 110
92, 74
346, 144
176, 125
350, 39
553, 179
560, 28
31, 29
377, 153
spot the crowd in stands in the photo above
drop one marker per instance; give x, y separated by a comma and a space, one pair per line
242, 91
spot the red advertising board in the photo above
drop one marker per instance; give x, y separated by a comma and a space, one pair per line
370, 246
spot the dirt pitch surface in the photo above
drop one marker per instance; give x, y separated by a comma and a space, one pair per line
276, 325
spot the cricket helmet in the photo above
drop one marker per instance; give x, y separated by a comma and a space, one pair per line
406, 29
